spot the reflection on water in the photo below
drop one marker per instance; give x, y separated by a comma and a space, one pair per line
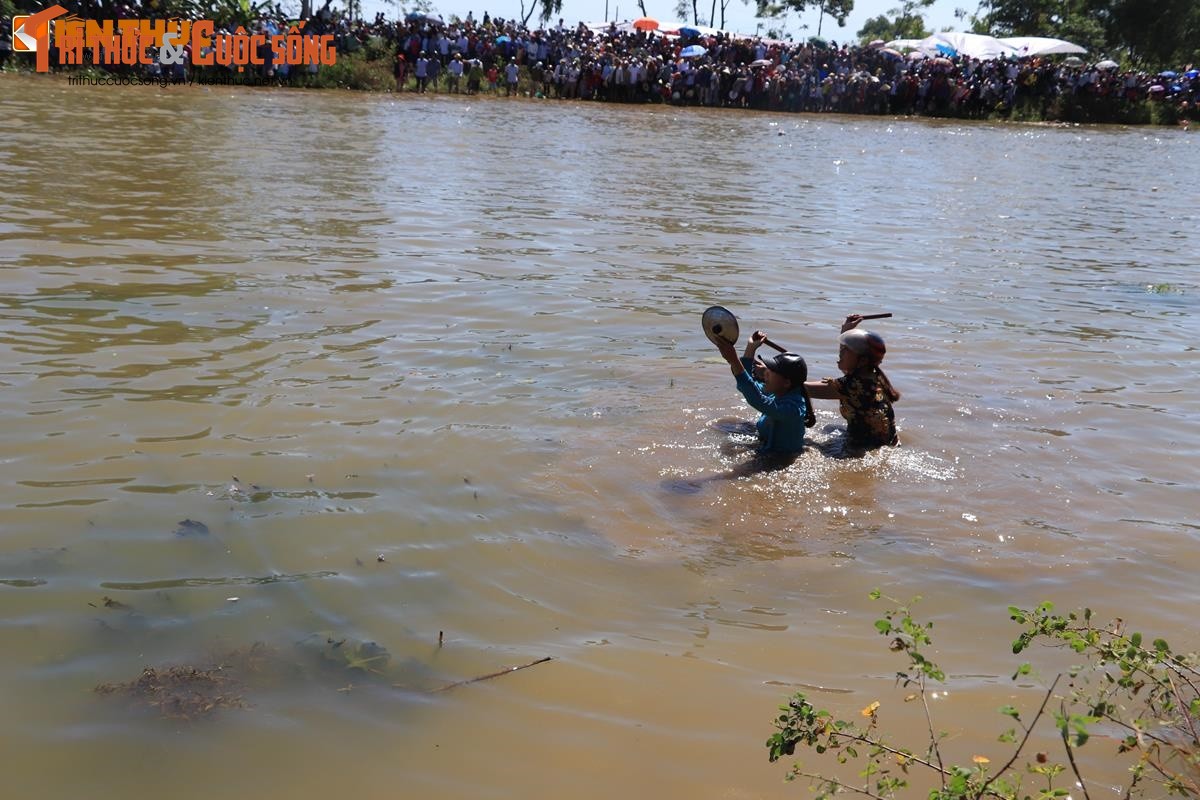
430, 374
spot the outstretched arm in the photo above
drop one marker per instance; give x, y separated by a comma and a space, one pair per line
824, 390
730, 355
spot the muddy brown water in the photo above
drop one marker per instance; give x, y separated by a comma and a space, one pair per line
463, 336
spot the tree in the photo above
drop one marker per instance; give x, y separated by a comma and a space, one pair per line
905, 23
1022, 17
907, 16
724, 5
838, 9
546, 10
1154, 33
1157, 33
681, 10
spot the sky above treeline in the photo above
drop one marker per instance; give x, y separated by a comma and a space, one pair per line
739, 16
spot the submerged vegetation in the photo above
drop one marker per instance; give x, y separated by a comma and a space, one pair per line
223, 682
1145, 696
228, 680
181, 692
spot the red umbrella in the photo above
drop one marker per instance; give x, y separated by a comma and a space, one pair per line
645, 24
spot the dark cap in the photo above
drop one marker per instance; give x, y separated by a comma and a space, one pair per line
789, 365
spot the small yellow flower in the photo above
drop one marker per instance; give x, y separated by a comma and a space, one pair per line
981, 760
869, 711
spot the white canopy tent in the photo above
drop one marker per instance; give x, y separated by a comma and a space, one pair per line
1041, 46
904, 44
983, 47
974, 45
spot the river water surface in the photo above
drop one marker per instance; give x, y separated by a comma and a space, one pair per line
434, 367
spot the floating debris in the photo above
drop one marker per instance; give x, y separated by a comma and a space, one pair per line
221, 682
497, 674
191, 527
181, 692
342, 653
108, 602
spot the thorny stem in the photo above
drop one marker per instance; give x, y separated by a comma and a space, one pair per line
887, 749
1193, 787
1028, 732
836, 783
1183, 709
1066, 737
933, 744
1120, 723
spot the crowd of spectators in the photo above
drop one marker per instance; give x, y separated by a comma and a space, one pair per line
626, 65
618, 63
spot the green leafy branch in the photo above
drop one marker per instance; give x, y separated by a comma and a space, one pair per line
1149, 692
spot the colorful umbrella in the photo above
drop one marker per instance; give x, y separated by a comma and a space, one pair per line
645, 24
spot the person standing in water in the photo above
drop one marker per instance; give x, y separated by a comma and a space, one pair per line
864, 393
780, 396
